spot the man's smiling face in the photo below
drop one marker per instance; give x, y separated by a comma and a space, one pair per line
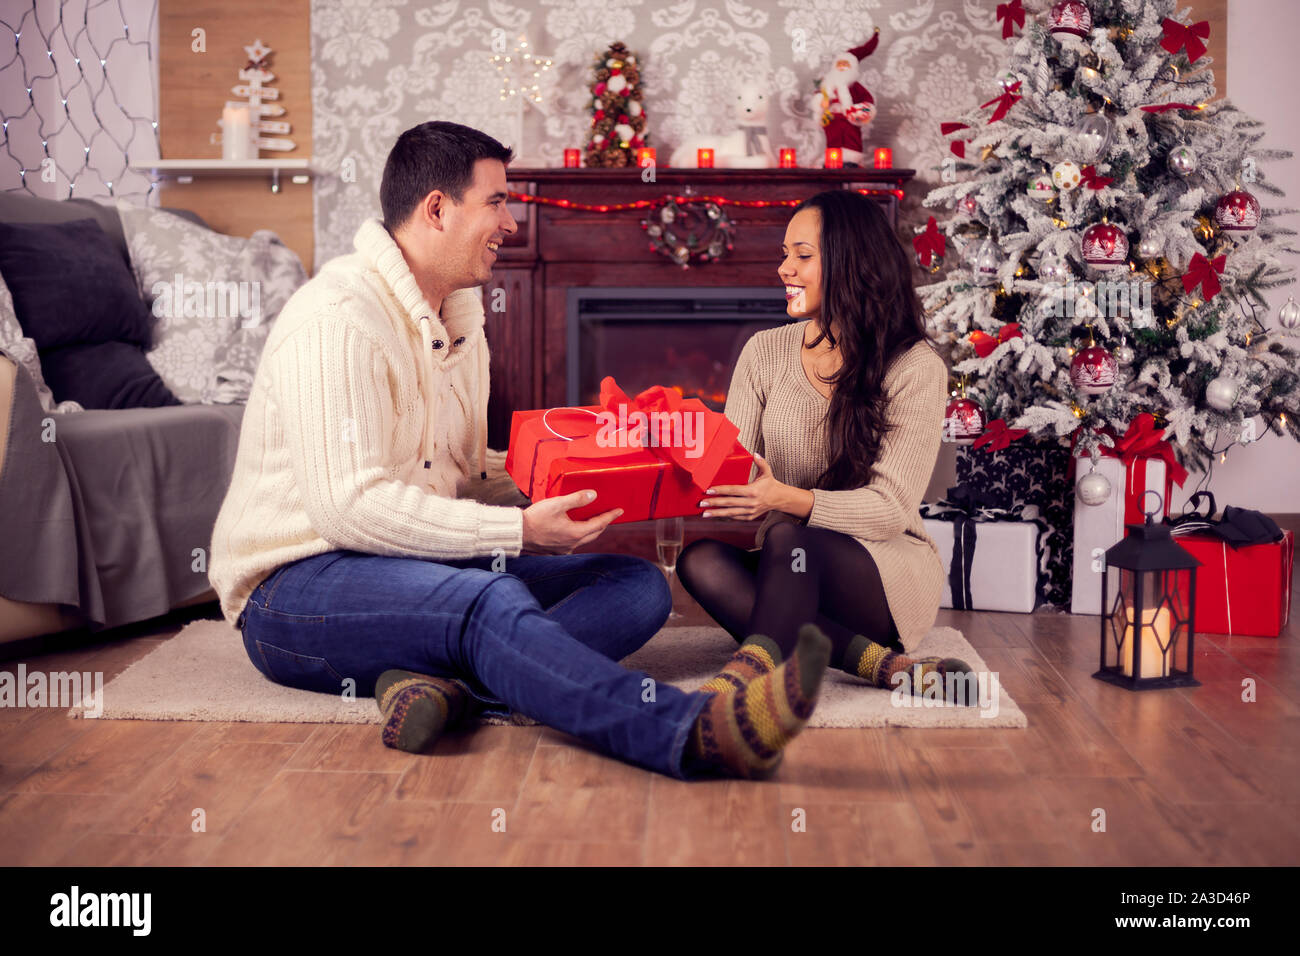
477, 225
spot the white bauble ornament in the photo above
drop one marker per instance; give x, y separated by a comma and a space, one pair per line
1221, 393
987, 263
1066, 176
1149, 247
616, 83
1289, 315
1041, 188
1093, 488
634, 108
1182, 161
624, 133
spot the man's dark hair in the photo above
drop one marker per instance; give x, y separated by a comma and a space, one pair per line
433, 155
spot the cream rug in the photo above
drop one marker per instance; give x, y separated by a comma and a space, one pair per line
203, 673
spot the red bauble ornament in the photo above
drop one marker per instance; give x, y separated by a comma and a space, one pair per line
1105, 246
1069, 20
964, 420
1237, 214
1093, 370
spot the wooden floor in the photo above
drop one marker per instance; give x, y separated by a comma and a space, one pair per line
1188, 777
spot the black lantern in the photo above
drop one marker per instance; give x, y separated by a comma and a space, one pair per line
1147, 628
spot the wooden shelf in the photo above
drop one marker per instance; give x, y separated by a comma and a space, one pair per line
184, 170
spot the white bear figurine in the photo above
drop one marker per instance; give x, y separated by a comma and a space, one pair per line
745, 148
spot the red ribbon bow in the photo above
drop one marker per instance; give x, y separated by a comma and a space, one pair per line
1140, 443
958, 146
1193, 37
1007, 100
998, 436
1093, 180
1205, 273
1012, 15
1165, 107
929, 243
985, 343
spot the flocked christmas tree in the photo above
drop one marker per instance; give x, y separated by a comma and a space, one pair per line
1115, 251
618, 118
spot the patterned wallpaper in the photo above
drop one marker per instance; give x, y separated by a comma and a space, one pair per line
381, 66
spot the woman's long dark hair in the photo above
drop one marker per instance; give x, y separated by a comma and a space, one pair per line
867, 295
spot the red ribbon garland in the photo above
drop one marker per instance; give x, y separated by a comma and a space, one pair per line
1165, 107
929, 243
998, 436
958, 146
1092, 180
1007, 100
680, 200
1012, 15
1205, 273
1193, 37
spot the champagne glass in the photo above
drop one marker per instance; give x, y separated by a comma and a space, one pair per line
668, 542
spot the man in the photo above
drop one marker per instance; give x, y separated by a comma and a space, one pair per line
348, 547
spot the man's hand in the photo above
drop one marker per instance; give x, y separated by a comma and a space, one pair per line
548, 529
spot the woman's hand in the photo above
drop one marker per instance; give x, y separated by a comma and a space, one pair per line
752, 501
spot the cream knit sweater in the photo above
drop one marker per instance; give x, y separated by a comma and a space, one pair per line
779, 414
365, 429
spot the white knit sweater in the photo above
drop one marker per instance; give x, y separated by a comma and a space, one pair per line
365, 428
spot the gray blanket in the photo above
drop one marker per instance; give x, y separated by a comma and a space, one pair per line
114, 516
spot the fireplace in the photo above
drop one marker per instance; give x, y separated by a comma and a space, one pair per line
688, 338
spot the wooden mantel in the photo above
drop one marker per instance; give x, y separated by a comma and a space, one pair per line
558, 248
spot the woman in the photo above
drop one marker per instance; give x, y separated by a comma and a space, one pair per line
843, 412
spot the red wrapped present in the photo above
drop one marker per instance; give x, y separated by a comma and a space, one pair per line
1244, 591
653, 456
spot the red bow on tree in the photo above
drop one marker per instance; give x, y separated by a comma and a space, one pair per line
985, 344
928, 243
1090, 178
1178, 36
957, 146
1007, 100
1144, 440
998, 436
1012, 15
1165, 107
1205, 273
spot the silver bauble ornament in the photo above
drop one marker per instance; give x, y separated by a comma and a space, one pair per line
1052, 268
987, 263
1124, 355
1149, 247
1093, 488
1095, 131
1182, 161
1289, 315
1221, 393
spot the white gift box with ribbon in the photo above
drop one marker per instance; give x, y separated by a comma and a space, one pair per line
1004, 568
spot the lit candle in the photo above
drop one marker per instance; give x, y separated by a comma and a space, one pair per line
572, 159
787, 159
645, 156
834, 157
1155, 632
704, 158
884, 157
236, 134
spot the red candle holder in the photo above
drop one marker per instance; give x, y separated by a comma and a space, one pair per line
834, 157
572, 158
787, 159
704, 158
884, 158
645, 156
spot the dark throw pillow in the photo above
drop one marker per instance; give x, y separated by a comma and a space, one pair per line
70, 285
104, 375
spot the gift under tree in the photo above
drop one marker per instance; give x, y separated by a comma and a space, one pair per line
1108, 251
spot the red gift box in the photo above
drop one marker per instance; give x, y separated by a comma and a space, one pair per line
653, 456
1244, 591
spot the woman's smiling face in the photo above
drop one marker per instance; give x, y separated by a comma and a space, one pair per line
801, 264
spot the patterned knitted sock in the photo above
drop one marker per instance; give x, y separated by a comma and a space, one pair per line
742, 731
874, 662
416, 708
757, 656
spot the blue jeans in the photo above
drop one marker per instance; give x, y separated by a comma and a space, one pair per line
541, 638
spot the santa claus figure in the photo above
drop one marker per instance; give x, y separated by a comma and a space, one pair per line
845, 105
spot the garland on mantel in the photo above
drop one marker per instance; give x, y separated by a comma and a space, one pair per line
679, 200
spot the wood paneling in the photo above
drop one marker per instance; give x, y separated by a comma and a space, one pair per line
193, 88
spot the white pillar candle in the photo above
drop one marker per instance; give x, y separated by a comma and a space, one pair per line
236, 133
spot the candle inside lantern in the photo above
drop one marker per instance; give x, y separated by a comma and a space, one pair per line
645, 156
572, 158
1154, 634
834, 157
787, 159
704, 158
884, 157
